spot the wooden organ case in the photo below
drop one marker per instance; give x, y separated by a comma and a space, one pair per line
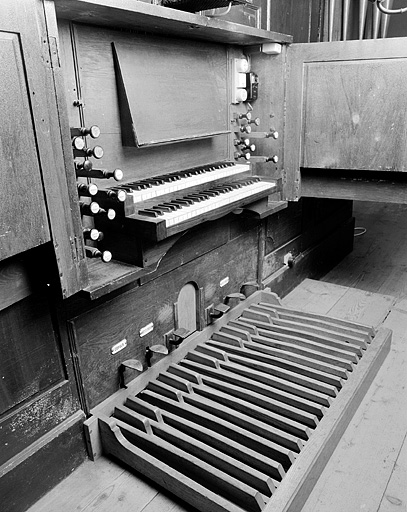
197, 145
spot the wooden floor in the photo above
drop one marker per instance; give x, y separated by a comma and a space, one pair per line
368, 470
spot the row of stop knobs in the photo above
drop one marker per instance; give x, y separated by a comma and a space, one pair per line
89, 192
245, 145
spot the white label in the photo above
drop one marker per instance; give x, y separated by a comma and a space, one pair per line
224, 282
119, 346
146, 329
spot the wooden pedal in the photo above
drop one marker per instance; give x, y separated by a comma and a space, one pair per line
244, 415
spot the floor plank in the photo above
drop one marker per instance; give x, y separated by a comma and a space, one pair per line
315, 296
395, 496
356, 474
101, 486
362, 307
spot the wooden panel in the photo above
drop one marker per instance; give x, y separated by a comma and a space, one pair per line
218, 273
30, 361
354, 115
15, 282
292, 17
20, 178
57, 455
153, 18
174, 99
27, 19
98, 87
337, 56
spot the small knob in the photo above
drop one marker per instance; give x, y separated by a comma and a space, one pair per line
92, 234
247, 115
92, 131
246, 128
96, 152
255, 121
115, 195
89, 208
84, 166
274, 159
246, 156
93, 252
273, 134
87, 190
109, 213
78, 143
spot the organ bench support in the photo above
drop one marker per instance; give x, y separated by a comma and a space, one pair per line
244, 415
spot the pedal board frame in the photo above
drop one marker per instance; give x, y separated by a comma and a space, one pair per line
317, 443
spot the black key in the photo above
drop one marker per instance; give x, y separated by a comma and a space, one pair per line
149, 212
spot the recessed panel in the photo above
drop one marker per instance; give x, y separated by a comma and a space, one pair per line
23, 220
355, 115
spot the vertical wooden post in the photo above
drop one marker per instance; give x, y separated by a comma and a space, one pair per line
362, 17
345, 19
376, 21
384, 26
331, 17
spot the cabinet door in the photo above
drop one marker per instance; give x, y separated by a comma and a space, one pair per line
346, 105
37, 189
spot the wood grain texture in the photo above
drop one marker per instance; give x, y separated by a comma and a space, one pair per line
350, 115
154, 18
176, 99
384, 404
372, 54
106, 325
20, 175
57, 454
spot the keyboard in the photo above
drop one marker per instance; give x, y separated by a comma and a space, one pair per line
159, 219
149, 188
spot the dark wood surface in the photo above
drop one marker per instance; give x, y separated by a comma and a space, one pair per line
177, 99
44, 466
346, 186
153, 18
96, 74
97, 331
39, 63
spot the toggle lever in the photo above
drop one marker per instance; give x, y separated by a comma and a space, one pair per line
178, 336
129, 364
155, 349
219, 311
249, 287
233, 299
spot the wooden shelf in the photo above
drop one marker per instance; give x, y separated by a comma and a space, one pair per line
137, 15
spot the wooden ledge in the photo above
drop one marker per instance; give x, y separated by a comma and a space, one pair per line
136, 15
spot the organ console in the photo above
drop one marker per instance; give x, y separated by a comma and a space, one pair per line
212, 392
